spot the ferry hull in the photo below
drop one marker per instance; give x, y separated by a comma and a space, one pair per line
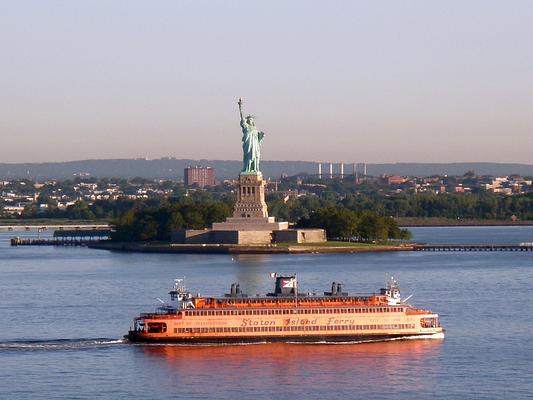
136, 337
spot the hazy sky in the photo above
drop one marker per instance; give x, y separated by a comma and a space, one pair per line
375, 81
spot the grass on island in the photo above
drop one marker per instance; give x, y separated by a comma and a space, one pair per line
338, 244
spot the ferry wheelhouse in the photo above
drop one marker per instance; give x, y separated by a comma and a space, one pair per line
284, 315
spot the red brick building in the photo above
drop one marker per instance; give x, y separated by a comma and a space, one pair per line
199, 176
395, 180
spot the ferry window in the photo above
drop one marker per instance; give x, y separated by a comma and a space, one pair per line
157, 327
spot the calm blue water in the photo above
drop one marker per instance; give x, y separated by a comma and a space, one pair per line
474, 235
64, 311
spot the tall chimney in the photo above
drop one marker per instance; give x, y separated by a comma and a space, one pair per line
319, 170
342, 170
330, 170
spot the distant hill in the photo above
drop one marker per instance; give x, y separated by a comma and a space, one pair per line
171, 168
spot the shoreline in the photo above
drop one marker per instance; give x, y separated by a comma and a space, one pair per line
438, 222
240, 249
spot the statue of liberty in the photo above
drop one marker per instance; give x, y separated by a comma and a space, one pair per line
251, 142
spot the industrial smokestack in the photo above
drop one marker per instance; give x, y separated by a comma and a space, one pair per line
319, 170
330, 170
342, 170
364, 169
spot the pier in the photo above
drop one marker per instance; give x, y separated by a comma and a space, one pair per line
45, 227
62, 237
473, 247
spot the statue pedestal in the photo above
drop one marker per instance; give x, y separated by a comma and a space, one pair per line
250, 212
251, 196
250, 224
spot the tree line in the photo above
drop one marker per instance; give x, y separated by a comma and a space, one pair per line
151, 221
444, 205
155, 222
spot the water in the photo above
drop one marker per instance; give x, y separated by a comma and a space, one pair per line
473, 235
64, 311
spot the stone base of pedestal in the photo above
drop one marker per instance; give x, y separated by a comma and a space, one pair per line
250, 224
248, 237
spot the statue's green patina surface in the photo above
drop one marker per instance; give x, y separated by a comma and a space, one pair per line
251, 143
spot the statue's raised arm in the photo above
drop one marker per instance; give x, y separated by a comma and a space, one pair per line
240, 108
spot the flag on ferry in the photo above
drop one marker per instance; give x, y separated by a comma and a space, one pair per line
288, 283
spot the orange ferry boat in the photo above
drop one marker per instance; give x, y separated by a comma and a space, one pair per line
284, 316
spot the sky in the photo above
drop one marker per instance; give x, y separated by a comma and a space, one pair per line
374, 81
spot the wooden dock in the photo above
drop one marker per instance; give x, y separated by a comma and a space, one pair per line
472, 247
63, 237
52, 242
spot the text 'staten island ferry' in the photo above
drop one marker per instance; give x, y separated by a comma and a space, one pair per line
284, 316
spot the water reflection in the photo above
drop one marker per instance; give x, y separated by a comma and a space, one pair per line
264, 366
